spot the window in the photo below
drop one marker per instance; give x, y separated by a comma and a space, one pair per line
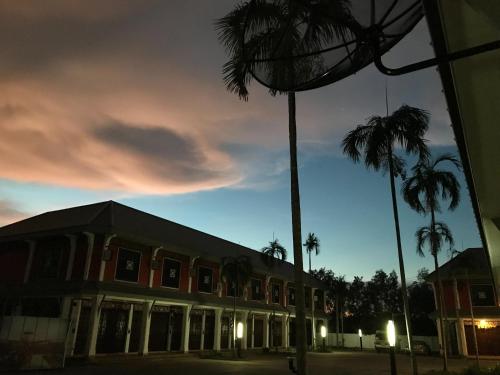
291, 296
231, 286
307, 296
205, 279
318, 300
256, 294
127, 265
482, 295
50, 263
276, 293
171, 273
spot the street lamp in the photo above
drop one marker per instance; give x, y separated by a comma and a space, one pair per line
323, 335
391, 338
360, 334
239, 336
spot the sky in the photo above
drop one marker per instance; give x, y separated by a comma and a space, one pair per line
124, 100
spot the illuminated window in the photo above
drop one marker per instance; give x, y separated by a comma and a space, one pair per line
482, 295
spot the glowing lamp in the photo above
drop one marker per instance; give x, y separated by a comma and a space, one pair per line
239, 330
391, 333
360, 333
323, 331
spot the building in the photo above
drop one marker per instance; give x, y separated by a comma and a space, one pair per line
468, 296
471, 88
131, 282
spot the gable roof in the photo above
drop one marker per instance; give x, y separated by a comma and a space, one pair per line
127, 222
471, 263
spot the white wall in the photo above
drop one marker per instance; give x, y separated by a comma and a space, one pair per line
351, 340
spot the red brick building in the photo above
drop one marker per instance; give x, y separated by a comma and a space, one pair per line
132, 282
469, 296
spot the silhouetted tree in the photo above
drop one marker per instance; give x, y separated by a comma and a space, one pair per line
423, 192
236, 272
376, 140
274, 251
256, 30
311, 244
422, 305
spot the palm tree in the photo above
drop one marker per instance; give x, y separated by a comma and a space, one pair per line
423, 192
272, 252
256, 30
340, 288
311, 244
435, 235
377, 140
235, 273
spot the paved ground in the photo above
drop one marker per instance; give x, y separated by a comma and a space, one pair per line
338, 363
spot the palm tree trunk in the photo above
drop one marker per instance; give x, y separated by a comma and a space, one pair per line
337, 316
404, 291
309, 261
301, 341
342, 322
440, 304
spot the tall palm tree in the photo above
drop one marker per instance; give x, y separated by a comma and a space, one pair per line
235, 273
340, 289
272, 252
256, 30
436, 235
376, 140
423, 192
311, 244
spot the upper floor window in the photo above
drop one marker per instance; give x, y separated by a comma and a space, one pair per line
318, 300
205, 279
482, 295
231, 289
276, 293
291, 296
256, 292
50, 263
127, 265
307, 297
171, 273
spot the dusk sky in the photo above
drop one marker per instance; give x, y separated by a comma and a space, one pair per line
124, 100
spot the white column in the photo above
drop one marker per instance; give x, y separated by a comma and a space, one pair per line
252, 340
284, 332
71, 258
244, 320
145, 324
107, 240
73, 329
285, 294
185, 328
202, 343
217, 329
266, 331
29, 262
95, 315
129, 327
88, 256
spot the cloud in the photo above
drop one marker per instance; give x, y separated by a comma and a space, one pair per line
9, 213
128, 96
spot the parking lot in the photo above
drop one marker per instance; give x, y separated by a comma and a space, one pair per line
338, 363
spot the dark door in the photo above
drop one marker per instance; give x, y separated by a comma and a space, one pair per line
176, 329
488, 340
208, 343
112, 331
293, 332
195, 330
309, 332
158, 331
135, 331
249, 332
276, 326
83, 330
258, 332
224, 337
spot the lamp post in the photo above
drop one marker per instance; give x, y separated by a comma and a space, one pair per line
239, 336
360, 334
391, 338
323, 335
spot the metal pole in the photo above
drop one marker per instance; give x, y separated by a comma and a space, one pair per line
392, 357
361, 343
